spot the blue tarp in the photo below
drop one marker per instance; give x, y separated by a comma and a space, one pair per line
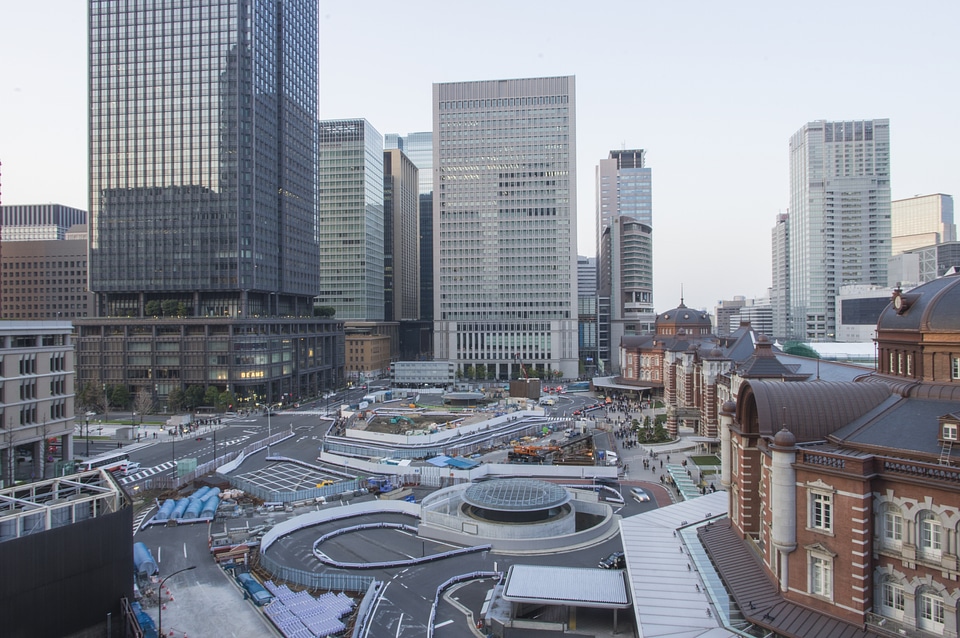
462, 463
439, 461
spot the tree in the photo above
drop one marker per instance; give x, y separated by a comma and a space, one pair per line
226, 401
143, 401
89, 397
169, 307
193, 397
181, 309
470, 372
212, 397
119, 395
324, 311
153, 308
175, 400
800, 349
481, 371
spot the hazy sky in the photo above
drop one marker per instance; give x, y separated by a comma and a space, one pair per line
711, 90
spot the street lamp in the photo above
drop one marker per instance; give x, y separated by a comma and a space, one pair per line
160, 597
88, 437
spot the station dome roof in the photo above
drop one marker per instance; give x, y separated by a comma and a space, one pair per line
516, 495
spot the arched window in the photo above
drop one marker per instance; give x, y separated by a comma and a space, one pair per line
891, 527
892, 598
930, 611
929, 535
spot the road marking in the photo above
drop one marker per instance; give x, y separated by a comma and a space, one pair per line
400, 622
443, 624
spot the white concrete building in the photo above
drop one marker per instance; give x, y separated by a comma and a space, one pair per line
839, 218
924, 220
505, 222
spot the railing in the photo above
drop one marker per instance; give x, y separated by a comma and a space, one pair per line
924, 471
453, 581
313, 580
824, 460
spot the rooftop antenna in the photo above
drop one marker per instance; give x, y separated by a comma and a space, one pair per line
681, 293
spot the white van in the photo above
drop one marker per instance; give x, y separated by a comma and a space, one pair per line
131, 468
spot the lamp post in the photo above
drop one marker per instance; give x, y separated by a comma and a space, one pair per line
160, 597
88, 437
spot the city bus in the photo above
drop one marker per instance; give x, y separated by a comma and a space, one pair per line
113, 462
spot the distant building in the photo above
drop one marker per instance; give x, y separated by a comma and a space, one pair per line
505, 225
724, 312
925, 220
36, 396
920, 265
780, 288
45, 279
624, 248
368, 356
418, 373
858, 309
401, 256
419, 148
839, 218
351, 225
587, 312
756, 312
38, 222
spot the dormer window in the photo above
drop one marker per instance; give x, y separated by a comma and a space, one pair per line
948, 431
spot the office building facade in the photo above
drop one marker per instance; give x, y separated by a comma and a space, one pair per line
45, 279
38, 222
625, 248
780, 288
203, 192
839, 218
416, 339
587, 313
925, 220
401, 256
505, 223
351, 219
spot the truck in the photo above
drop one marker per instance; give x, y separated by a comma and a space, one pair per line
379, 396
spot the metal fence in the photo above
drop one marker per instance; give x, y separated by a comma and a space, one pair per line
330, 581
173, 481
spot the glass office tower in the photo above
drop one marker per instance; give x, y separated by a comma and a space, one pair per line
839, 218
203, 201
505, 263
202, 155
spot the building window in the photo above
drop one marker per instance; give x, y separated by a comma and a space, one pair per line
821, 575
821, 511
893, 600
892, 529
931, 535
949, 431
931, 612
955, 367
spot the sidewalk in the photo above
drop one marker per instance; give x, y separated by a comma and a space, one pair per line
150, 434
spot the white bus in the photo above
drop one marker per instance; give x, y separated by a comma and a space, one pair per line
113, 462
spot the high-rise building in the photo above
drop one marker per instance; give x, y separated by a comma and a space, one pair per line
401, 255
780, 290
505, 224
925, 220
351, 219
625, 248
587, 311
38, 222
203, 196
416, 340
839, 218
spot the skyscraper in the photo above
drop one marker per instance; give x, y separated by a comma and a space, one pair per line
839, 218
351, 219
924, 220
202, 178
401, 255
780, 290
203, 190
625, 249
505, 224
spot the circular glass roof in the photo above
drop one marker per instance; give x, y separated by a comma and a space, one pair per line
515, 495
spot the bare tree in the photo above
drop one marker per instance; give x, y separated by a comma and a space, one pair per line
143, 402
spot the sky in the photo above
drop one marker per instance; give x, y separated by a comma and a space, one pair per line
712, 91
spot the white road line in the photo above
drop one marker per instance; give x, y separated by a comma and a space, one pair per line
400, 622
443, 624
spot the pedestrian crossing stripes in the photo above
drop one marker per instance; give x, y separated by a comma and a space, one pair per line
147, 473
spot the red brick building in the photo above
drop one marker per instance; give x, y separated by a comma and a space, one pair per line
848, 492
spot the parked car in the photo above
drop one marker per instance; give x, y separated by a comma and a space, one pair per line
640, 494
615, 560
131, 468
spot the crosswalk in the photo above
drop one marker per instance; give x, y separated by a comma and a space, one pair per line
142, 516
146, 473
